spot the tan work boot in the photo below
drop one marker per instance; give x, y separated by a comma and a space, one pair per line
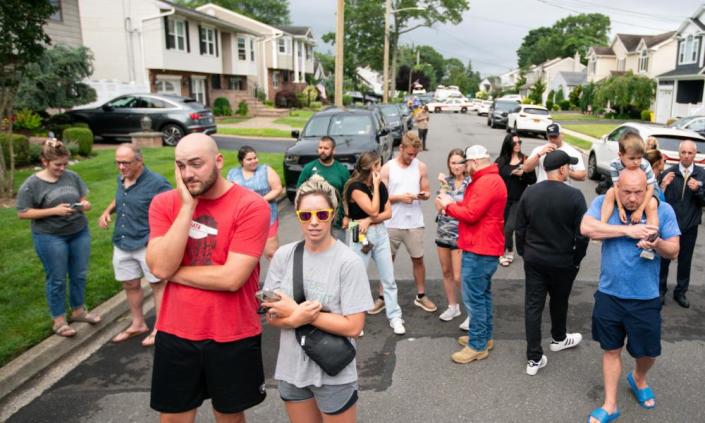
467, 354
463, 340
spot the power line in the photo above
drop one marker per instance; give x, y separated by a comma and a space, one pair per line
547, 2
631, 12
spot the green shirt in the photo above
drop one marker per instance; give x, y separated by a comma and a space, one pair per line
336, 174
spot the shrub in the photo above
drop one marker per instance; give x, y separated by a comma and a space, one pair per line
526, 100
316, 106
83, 137
302, 99
347, 100
72, 147
80, 125
242, 108
261, 96
27, 119
286, 99
21, 148
269, 103
564, 104
556, 108
310, 95
35, 151
221, 107
57, 123
646, 115
549, 104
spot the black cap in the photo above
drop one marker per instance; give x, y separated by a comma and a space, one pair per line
553, 130
556, 159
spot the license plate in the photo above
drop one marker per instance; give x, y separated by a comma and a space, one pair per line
537, 120
209, 120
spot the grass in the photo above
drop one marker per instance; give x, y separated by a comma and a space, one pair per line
596, 130
296, 118
577, 142
558, 117
24, 314
232, 119
255, 132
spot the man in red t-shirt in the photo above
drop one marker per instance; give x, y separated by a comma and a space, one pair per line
206, 238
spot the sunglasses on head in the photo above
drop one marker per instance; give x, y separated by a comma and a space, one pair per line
323, 215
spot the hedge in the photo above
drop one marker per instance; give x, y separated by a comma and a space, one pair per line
21, 148
82, 136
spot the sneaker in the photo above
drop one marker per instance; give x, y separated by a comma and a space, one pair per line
504, 261
533, 367
377, 307
463, 340
397, 325
571, 340
425, 304
465, 326
467, 354
451, 313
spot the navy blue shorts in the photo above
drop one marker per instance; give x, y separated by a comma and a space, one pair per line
614, 319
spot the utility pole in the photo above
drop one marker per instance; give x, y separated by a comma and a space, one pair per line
387, 12
339, 40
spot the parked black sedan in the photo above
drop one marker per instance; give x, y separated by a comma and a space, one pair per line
171, 115
499, 112
355, 131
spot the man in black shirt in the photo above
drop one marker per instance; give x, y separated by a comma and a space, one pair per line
548, 238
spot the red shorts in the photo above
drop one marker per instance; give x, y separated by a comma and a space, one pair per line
273, 229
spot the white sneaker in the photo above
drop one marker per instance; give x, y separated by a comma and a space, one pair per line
397, 325
533, 367
571, 340
465, 326
451, 313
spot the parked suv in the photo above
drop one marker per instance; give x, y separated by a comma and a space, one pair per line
171, 115
355, 131
499, 110
529, 118
394, 120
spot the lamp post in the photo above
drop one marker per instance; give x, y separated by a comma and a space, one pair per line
388, 11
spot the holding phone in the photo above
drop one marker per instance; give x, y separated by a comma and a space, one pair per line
76, 206
266, 295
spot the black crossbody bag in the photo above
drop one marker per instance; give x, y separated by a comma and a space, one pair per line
331, 352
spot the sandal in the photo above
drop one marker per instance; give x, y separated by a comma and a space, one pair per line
64, 330
504, 261
509, 257
603, 416
641, 395
86, 317
149, 340
127, 334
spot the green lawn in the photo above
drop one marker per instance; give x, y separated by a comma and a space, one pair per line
255, 132
24, 315
231, 119
596, 130
296, 118
559, 117
585, 145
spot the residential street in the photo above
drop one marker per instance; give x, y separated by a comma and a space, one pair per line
411, 378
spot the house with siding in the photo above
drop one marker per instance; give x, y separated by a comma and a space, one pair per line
548, 71
64, 25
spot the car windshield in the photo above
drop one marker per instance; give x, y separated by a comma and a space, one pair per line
391, 111
533, 111
317, 126
350, 125
671, 143
683, 121
404, 109
505, 106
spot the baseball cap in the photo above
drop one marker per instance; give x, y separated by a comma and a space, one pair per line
476, 152
556, 159
553, 130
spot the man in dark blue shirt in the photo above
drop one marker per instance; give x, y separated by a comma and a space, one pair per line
136, 186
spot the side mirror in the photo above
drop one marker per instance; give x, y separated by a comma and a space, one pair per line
295, 133
383, 131
107, 108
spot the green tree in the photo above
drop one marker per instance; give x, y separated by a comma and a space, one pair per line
626, 92
587, 95
536, 92
521, 81
272, 12
473, 78
23, 42
559, 96
55, 80
574, 95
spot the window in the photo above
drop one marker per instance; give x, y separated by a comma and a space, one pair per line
350, 125
593, 65
241, 49
125, 102
308, 52
317, 127
237, 83
56, 16
644, 61
696, 48
215, 82
275, 79
252, 50
169, 86
282, 45
177, 34
688, 50
150, 103
207, 41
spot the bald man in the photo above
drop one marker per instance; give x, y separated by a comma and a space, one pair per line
627, 301
682, 185
206, 238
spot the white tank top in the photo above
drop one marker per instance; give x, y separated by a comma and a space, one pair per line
401, 181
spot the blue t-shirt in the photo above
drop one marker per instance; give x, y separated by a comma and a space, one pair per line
623, 273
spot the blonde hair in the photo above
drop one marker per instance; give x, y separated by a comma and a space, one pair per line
316, 185
651, 139
411, 139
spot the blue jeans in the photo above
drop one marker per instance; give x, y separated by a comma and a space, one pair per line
382, 255
62, 254
477, 274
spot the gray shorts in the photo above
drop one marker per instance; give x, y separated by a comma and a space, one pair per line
331, 399
131, 265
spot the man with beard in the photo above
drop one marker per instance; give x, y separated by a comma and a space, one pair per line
206, 238
334, 172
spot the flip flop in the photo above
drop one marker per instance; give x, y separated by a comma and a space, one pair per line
64, 330
641, 395
127, 334
86, 317
603, 416
149, 340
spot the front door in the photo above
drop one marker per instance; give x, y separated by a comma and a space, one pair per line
198, 89
664, 100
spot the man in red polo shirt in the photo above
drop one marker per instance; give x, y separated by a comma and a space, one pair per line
481, 237
206, 238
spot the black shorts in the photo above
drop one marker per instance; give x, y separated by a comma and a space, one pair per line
447, 243
187, 372
614, 319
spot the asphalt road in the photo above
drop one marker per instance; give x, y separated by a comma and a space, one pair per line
411, 378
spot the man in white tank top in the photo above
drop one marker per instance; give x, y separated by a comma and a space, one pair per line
406, 179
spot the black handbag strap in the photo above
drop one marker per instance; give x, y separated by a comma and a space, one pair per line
299, 295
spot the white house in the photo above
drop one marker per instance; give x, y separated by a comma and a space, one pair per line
548, 71
509, 79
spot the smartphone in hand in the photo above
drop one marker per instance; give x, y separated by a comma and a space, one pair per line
76, 206
266, 295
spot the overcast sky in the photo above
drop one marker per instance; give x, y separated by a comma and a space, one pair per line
492, 30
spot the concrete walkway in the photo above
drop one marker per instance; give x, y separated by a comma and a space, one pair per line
258, 122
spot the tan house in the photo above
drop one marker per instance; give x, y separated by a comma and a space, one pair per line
648, 55
548, 71
64, 25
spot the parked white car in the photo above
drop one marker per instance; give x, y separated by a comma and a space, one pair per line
606, 148
449, 105
515, 97
483, 108
529, 118
694, 123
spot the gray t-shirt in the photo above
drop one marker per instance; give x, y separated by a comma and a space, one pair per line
338, 280
36, 193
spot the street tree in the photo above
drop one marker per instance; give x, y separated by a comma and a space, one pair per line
23, 42
626, 93
536, 92
271, 12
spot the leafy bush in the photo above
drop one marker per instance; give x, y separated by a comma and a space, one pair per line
81, 136
310, 94
646, 115
20, 145
27, 119
242, 108
80, 125
286, 99
559, 95
302, 99
72, 147
564, 104
316, 106
221, 107
549, 104
574, 95
552, 98
269, 103
35, 151
526, 100
556, 108
57, 123
347, 100
261, 96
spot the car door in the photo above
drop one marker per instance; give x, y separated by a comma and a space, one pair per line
385, 141
114, 117
512, 117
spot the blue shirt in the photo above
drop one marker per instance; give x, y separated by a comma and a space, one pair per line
623, 273
259, 183
132, 209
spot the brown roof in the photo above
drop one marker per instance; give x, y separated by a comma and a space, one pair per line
631, 41
653, 40
603, 50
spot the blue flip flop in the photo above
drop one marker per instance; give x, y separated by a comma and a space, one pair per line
641, 395
603, 416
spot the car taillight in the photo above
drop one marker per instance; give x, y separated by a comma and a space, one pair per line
670, 158
194, 116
